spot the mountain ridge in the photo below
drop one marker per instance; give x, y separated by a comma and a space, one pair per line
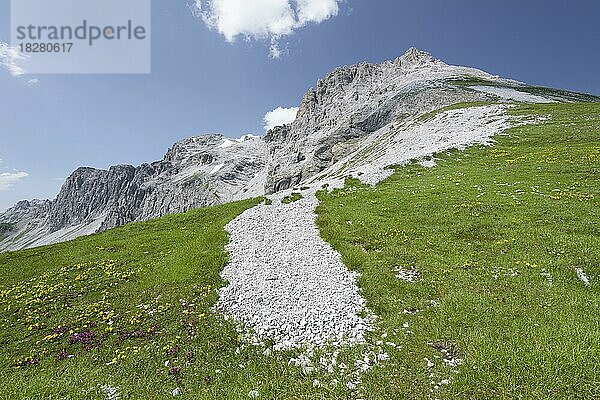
334, 121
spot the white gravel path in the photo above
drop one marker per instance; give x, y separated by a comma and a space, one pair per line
289, 286
285, 283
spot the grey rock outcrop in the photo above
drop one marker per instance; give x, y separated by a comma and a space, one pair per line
195, 172
353, 102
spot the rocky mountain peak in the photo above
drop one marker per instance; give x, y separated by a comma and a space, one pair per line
354, 101
347, 88
415, 57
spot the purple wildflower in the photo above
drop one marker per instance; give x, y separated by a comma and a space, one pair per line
85, 338
62, 355
172, 351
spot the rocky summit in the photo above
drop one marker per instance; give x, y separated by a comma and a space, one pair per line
353, 107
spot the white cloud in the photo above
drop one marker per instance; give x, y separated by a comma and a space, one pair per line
279, 116
264, 19
8, 179
10, 57
316, 10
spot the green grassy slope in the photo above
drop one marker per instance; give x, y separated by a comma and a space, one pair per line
113, 308
131, 307
106, 310
496, 233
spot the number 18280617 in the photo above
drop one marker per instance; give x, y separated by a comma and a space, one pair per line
45, 47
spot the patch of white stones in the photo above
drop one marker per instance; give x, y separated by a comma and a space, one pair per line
330, 365
583, 277
548, 276
408, 274
112, 392
438, 372
417, 140
285, 283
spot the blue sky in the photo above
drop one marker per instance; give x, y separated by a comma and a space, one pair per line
201, 82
